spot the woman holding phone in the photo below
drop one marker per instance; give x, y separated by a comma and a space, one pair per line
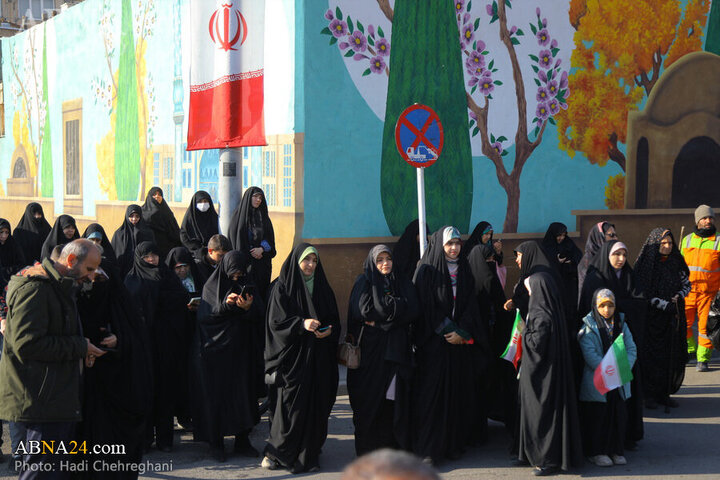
302, 330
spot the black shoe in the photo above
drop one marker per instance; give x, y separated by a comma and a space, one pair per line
165, 448
246, 451
545, 471
632, 446
670, 402
651, 404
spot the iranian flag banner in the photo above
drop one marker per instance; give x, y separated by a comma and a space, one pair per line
513, 352
614, 369
226, 74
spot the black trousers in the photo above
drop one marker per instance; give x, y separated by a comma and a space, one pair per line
46, 466
604, 425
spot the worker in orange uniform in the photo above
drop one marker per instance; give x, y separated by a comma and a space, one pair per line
700, 250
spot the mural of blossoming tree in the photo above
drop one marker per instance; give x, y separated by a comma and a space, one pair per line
369, 46
620, 52
29, 89
128, 95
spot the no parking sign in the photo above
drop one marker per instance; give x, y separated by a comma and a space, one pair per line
419, 135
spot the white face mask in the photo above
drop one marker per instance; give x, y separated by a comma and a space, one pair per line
203, 206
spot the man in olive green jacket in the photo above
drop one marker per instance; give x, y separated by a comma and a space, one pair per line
43, 351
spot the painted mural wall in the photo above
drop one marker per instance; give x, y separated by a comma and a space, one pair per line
96, 103
533, 96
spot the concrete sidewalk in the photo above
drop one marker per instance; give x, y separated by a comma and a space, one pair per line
676, 445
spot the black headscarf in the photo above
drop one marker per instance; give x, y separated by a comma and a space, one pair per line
475, 238
250, 226
161, 221
12, 258
183, 255
656, 276
57, 237
30, 232
108, 251
128, 237
197, 227
534, 260
565, 249
291, 300
220, 285
601, 274
595, 240
406, 253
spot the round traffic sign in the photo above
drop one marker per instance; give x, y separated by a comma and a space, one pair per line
419, 135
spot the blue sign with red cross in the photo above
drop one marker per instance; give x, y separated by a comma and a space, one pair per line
419, 135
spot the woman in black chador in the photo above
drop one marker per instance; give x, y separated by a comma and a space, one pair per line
482, 234
228, 365
383, 306
64, 231
600, 233
117, 390
200, 222
452, 345
561, 250
609, 269
96, 234
531, 259
31, 232
303, 326
549, 426
12, 258
161, 220
251, 232
131, 233
163, 304
406, 253
662, 277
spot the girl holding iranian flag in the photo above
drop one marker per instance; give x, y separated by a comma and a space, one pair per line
609, 351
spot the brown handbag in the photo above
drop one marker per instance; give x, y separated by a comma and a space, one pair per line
348, 352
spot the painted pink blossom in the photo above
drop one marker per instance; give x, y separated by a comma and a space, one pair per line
467, 35
382, 47
338, 28
545, 58
489, 9
542, 112
480, 46
343, 45
358, 42
329, 15
377, 64
542, 76
497, 146
552, 88
564, 80
542, 95
554, 106
543, 37
486, 85
371, 30
459, 5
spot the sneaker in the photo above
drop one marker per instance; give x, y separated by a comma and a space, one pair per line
701, 367
619, 460
269, 463
602, 461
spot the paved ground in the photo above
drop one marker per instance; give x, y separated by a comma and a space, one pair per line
677, 445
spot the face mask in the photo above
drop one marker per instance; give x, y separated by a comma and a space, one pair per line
203, 207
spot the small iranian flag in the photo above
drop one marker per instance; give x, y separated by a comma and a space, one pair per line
513, 352
614, 369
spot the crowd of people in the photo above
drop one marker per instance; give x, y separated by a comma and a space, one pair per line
178, 322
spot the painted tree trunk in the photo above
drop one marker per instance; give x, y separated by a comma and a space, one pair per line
127, 138
426, 67
46, 171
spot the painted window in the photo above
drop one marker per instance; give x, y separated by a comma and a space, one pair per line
169, 168
287, 176
156, 169
269, 164
246, 176
72, 157
269, 189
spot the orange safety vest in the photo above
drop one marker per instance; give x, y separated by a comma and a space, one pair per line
703, 260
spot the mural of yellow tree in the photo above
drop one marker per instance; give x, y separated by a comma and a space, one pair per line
620, 51
135, 30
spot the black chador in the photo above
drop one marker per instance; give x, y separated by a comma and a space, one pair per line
549, 425
31, 232
199, 225
445, 411
57, 236
228, 364
12, 258
301, 367
382, 308
128, 237
406, 253
108, 252
118, 389
162, 301
162, 222
251, 228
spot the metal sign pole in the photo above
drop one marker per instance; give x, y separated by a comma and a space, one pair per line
421, 209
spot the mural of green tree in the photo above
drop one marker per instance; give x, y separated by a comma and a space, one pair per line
427, 69
127, 146
46, 173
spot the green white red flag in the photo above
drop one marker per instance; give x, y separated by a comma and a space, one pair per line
614, 369
513, 352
